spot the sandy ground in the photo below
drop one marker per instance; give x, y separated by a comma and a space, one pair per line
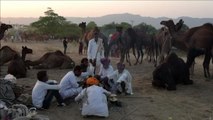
193, 102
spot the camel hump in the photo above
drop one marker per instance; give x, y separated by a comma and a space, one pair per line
209, 25
58, 52
7, 48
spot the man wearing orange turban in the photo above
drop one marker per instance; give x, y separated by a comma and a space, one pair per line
93, 99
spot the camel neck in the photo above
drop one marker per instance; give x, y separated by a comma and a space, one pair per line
179, 41
2, 33
23, 56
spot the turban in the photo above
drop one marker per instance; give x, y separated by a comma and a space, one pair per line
11, 78
92, 81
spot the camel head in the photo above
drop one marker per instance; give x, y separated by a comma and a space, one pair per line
170, 24
4, 26
82, 25
179, 25
25, 51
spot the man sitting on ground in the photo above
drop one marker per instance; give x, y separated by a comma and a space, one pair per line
69, 87
122, 79
106, 69
94, 99
44, 90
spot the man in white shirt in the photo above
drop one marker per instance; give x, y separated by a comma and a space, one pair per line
69, 86
106, 69
94, 99
86, 68
122, 78
95, 51
43, 91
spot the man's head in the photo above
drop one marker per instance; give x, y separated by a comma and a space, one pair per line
105, 62
42, 76
120, 67
77, 70
85, 61
96, 35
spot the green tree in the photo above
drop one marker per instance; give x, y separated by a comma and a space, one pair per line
125, 25
108, 29
91, 25
54, 25
149, 29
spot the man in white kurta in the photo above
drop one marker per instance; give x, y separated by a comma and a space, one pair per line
106, 69
94, 99
43, 91
95, 51
68, 86
122, 78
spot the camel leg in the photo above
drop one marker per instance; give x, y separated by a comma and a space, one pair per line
206, 64
138, 52
0, 57
141, 51
127, 57
122, 56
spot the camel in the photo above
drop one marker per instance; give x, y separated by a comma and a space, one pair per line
52, 60
3, 28
7, 54
163, 40
196, 41
17, 66
171, 72
126, 40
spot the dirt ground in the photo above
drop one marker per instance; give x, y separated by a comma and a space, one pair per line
193, 102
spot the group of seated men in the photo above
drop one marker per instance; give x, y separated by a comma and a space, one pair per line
82, 84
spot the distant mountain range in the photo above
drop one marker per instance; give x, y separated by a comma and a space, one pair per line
117, 18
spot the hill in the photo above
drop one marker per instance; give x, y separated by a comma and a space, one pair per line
118, 18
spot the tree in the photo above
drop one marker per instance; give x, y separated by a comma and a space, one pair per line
108, 29
149, 29
91, 25
54, 25
125, 25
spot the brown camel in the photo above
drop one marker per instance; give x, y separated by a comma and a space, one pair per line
52, 60
196, 41
171, 72
17, 66
126, 40
164, 43
6, 54
3, 28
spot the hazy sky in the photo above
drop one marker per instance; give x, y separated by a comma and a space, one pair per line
66, 8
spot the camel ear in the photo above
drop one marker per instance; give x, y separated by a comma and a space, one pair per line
22, 46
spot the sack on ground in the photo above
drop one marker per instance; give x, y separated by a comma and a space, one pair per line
6, 94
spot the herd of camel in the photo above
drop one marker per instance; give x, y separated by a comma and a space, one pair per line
195, 41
